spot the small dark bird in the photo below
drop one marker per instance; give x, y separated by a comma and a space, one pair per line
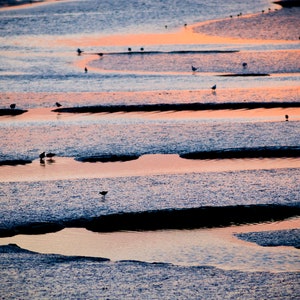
103, 193
85, 70
194, 69
79, 51
214, 87
58, 104
286, 117
13, 106
50, 155
129, 49
42, 155
244, 65
142, 49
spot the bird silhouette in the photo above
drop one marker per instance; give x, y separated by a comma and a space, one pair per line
244, 65
58, 104
13, 106
214, 87
194, 69
50, 155
85, 70
286, 117
42, 155
79, 51
103, 193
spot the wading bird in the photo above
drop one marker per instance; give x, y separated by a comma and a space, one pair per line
103, 193
194, 69
42, 157
79, 51
50, 155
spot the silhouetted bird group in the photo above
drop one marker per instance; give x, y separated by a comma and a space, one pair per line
43, 155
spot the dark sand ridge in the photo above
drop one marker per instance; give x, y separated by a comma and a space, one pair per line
10, 3
19, 4
186, 218
174, 107
162, 107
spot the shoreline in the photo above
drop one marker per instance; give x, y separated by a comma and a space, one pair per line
61, 168
195, 34
200, 110
148, 246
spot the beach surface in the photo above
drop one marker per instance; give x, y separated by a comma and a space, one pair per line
250, 260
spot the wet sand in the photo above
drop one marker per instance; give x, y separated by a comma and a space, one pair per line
280, 25
160, 244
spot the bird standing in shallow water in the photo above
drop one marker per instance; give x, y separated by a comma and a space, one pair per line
194, 69
13, 106
42, 157
286, 117
85, 70
50, 155
103, 193
214, 87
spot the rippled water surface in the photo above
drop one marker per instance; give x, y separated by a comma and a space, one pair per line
39, 66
